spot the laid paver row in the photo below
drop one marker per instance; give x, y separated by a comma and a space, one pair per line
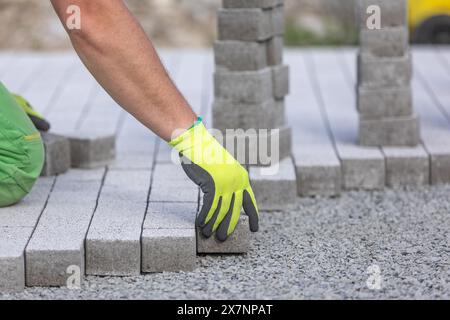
435, 124
16, 227
56, 248
317, 165
362, 167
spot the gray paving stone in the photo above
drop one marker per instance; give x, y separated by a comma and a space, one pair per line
278, 23
58, 240
12, 263
274, 47
275, 187
165, 215
390, 42
57, 154
229, 115
407, 166
259, 147
384, 103
375, 72
440, 167
318, 170
434, 127
401, 131
168, 237
264, 4
280, 78
92, 149
245, 24
393, 13
16, 226
241, 55
362, 168
237, 243
113, 246
171, 184
244, 86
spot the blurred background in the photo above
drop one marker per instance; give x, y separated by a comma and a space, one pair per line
31, 24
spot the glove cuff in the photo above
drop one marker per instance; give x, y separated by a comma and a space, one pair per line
191, 137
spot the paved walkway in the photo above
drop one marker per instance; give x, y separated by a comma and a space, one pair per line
107, 209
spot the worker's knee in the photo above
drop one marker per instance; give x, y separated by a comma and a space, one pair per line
10, 192
19, 173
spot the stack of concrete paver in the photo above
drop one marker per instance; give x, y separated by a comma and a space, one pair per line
384, 76
251, 84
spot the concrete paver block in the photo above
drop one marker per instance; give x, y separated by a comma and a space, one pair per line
385, 103
229, 115
274, 48
16, 226
57, 154
241, 55
92, 149
392, 42
245, 24
400, 131
275, 187
237, 243
113, 245
244, 86
171, 184
278, 21
168, 237
440, 168
12, 263
280, 77
318, 171
58, 240
407, 166
362, 168
375, 72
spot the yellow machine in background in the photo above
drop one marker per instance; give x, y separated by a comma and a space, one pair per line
429, 21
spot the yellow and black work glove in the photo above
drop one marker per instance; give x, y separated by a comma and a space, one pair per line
38, 120
223, 180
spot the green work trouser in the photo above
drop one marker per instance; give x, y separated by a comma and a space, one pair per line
21, 151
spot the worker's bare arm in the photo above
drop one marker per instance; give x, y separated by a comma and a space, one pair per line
115, 49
